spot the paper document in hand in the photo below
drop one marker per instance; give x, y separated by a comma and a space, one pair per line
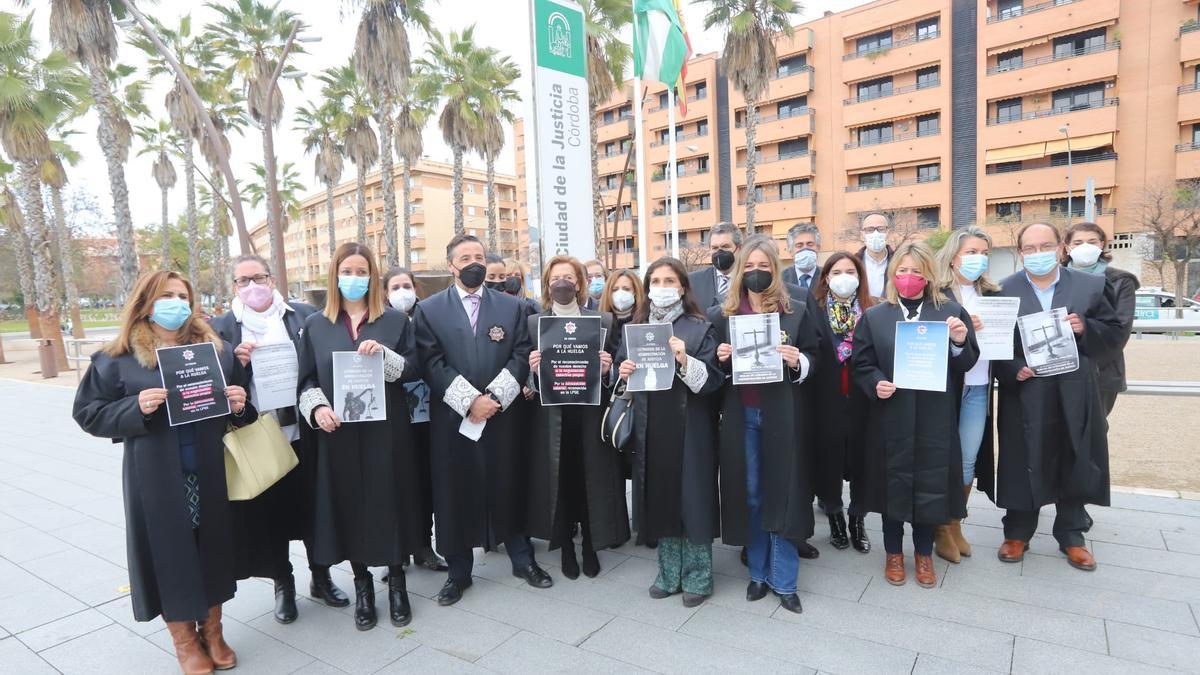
755, 339
998, 316
275, 371
1048, 343
922, 356
647, 346
358, 387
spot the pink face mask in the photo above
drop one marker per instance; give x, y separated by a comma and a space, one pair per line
255, 295
910, 285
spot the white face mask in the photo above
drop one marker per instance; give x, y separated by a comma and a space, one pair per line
875, 241
1085, 255
402, 299
622, 300
806, 260
843, 285
663, 296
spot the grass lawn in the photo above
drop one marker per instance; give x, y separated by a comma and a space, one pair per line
92, 318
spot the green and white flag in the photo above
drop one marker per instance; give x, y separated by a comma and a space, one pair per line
661, 47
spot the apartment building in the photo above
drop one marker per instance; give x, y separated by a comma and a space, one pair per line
942, 113
306, 241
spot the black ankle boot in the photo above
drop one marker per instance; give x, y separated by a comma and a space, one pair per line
570, 565
285, 599
591, 561
837, 531
858, 535
399, 609
322, 589
364, 603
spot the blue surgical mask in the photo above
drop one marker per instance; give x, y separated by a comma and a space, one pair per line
806, 260
170, 313
972, 266
353, 288
1042, 263
596, 287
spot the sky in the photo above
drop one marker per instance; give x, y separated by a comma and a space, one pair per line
503, 24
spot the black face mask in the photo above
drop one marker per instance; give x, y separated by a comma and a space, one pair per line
472, 275
757, 281
495, 285
512, 285
722, 259
563, 292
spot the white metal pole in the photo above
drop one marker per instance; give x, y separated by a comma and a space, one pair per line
673, 205
639, 177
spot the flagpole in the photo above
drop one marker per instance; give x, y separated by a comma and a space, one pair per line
640, 165
671, 149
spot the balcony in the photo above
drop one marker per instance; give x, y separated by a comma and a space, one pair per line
657, 177
693, 182
1050, 112
998, 185
902, 102
896, 194
1082, 65
876, 53
1041, 125
1189, 42
773, 207
1187, 161
776, 168
914, 145
774, 128
1042, 18
679, 138
901, 55
1189, 103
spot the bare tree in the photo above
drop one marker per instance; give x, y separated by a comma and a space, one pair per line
694, 256
905, 226
1168, 214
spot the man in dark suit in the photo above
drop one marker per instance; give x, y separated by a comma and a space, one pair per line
804, 241
875, 253
710, 284
474, 344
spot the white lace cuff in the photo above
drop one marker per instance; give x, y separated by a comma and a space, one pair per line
460, 395
309, 401
802, 371
393, 365
505, 387
694, 374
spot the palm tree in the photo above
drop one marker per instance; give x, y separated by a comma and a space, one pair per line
413, 112
158, 141
358, 141
84, 31
226, 108
495, 115
14, 221
290, 189
319, 124
458, 72
751, 28
54, 175
607, 53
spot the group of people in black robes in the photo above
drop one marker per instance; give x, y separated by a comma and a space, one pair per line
467, 454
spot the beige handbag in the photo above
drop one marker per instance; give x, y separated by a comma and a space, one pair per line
257, 456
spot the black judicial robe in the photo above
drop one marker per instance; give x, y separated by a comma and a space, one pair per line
479, 487
840, 421
913, 460
263, 526
608, 516
1052, 432
366, 500
174, 571
785, 480
675, 453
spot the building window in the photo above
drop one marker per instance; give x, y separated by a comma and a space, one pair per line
928, 125
702, 128
927, 29
701, 90
1196, 134
876, 179
871, 43
1059, 206
1010, 60
929, 173
930, 216
471, 188
875, 134
702, 165
1007, 9
792, 106
793, 148
1009, 210
792, 64
1079, 43
471, 211
874, 88
793, 190
704, 202
1079, 98
1007, 167
608, 117
662, 99
1008, 110
610, 149
927, 77
663, 136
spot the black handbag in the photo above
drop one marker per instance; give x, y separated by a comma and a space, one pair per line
616, 427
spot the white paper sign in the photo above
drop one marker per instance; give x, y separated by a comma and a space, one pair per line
1049, 343
755, 339
275, 371
998, 316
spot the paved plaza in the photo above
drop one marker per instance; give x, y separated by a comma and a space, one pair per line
64, 605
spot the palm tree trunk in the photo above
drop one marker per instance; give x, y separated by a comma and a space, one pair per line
63, 245
166, 231
751, 160
43, 262
329, 216
274, 227
220, 239
457, 187
388, 182
361, 180
408, 257
126, 243
193, 226
23, 256
597, 202
493, 229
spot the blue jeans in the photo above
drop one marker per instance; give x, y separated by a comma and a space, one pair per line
972, 416
773, 560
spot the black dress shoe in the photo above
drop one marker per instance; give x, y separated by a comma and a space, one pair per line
807, 551
285, 599
570, 565
322, 589
693, 599
591, 562
858, 535
757, 590
745, 561
364, 603
837, 531
399, 609
430, 560
790, 602
534, 576
452, 592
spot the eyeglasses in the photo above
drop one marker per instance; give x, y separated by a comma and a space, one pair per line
1044, 248
259, 279
876, 228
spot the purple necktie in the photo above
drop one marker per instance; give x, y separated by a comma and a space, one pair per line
473, 315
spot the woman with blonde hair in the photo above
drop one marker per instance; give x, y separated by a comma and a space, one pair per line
913, 464
962, 265
178, 528
766, 496
367, 501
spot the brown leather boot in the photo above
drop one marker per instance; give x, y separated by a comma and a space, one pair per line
193, 660
893, 569
944, 545
964, 546
222, 655
926, 577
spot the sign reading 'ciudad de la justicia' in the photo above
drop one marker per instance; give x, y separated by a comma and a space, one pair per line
562, 132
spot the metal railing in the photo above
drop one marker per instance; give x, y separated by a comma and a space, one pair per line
883, 49
762, 119
788, 72
1095, 49
767, 199
891, 184
663, 176
683, 208
895, 91
894, 138
1189, 27
1018, 12
680, 137
1044, 216
618, 119
1188, 88
1059, 110
993, 169
759, 160
1187, 147
75, 355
